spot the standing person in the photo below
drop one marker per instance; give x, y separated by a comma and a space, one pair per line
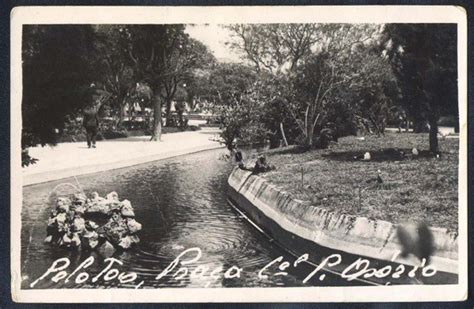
239, 159
91, 124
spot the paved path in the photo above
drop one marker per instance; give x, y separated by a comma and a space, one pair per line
72, 159
442, 131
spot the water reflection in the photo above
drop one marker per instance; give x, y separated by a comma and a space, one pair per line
181, 203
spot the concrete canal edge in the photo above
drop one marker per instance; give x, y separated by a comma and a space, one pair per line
374, 239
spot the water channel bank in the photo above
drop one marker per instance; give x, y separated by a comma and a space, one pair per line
73, 159
299, 227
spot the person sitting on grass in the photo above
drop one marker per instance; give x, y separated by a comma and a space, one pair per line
262, 166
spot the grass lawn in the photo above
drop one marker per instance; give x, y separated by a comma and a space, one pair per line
414, 187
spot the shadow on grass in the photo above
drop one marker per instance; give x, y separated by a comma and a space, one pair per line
286, 150
383, 155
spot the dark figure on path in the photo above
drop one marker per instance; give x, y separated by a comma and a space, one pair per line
91, 123
239, 159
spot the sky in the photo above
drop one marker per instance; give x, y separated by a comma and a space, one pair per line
214, 36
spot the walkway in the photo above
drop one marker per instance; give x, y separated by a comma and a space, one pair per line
447, 132
70, 159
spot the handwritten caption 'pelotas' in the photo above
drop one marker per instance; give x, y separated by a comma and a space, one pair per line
186, 264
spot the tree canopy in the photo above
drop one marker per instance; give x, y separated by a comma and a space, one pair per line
314, 70
57, 74
424, 59
296, 81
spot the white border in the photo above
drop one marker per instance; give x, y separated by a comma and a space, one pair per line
243, 14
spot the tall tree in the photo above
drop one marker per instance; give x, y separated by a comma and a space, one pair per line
234, 91
424, 59
149, 49
371, 90
197, 87
310, 63
57, 74
181, 61
115, 72
275, 47
280, 48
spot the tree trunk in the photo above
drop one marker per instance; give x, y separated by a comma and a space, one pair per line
309, 133
283, 134
310, 136
156, 134
168, 111
434, 136
310, 142
121, 115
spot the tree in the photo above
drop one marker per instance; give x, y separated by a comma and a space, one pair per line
197, 87
309, 65
344, 73
116, 73
309, 94
234, 91
56, 78
141, 94
371, 90
279, 48
180, 106
187, 55
275, 47
424, 59
149, 48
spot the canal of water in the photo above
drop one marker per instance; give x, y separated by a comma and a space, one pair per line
181, 203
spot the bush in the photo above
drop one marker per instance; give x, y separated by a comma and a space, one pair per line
75, 132
448, 121
26, 159
109, 134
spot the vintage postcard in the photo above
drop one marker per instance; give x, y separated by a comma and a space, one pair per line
239, 154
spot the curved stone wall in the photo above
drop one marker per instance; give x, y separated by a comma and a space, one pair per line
356, 235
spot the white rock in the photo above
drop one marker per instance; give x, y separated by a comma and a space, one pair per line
112, 196
367, 156
415, 152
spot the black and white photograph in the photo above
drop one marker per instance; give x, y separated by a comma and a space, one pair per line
239, 154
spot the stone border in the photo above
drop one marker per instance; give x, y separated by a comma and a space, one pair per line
355, 235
